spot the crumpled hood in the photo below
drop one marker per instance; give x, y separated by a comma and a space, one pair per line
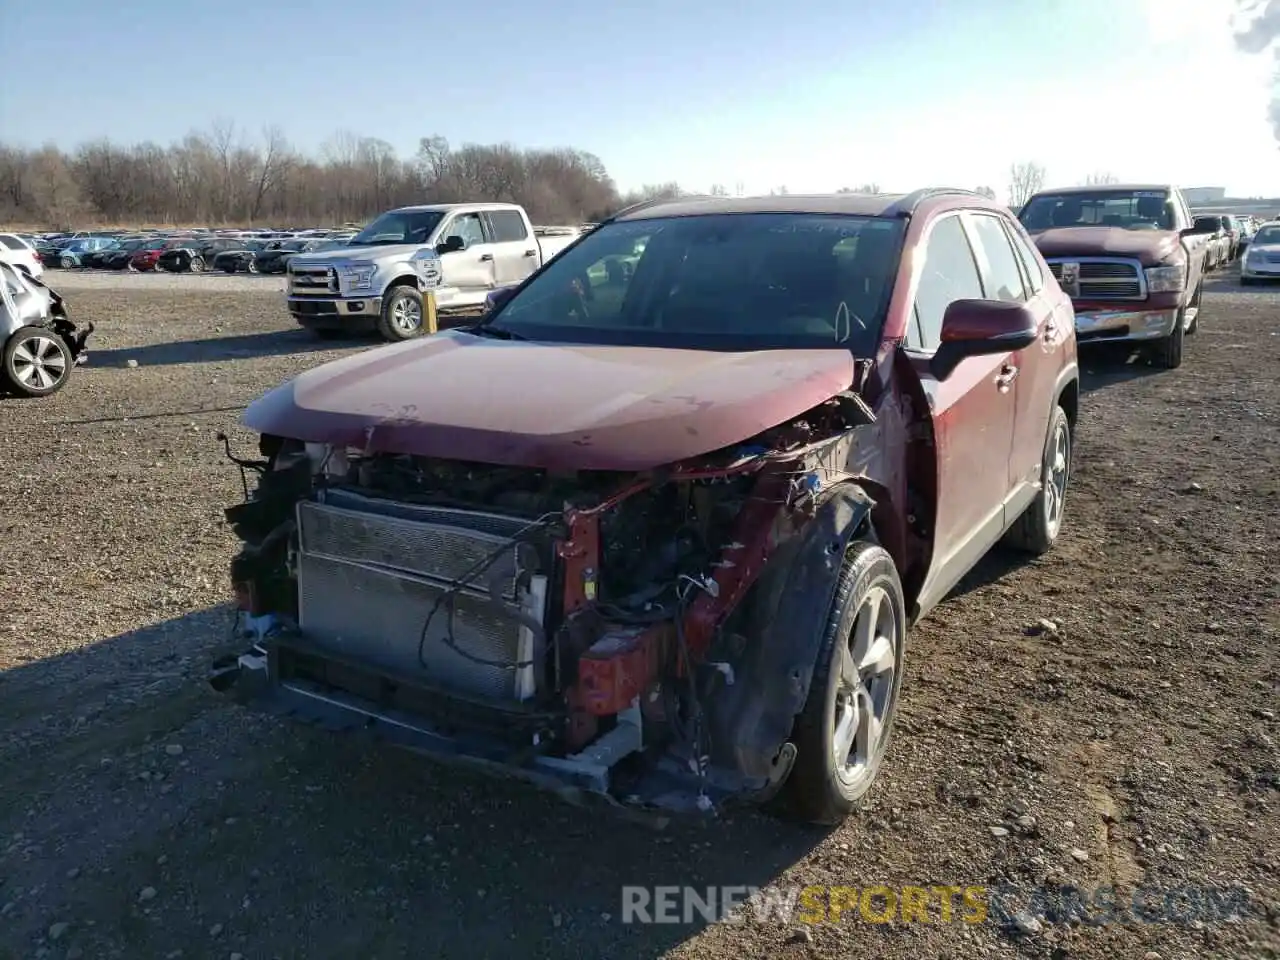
1150, 247
555, 406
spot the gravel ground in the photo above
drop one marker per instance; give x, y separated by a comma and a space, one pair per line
1131, 740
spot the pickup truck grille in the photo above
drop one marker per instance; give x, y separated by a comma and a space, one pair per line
1104, 278
312, 281
372, 578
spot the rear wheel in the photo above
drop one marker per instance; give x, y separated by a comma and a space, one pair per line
66, 263
197, 265
1037, 529
401, 317
37, 362
844, 729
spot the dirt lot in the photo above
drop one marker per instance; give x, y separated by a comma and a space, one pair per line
142, 816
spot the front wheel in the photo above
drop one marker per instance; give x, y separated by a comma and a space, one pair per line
37, 362
1167, 352
401, 317
197, 265
1037, 529
843, 731
66, 263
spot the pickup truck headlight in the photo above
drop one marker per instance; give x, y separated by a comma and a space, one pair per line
358, 276
1171, 279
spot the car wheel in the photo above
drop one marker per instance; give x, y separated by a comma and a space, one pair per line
197, 265
37, 362
131, 267
1037, 529
66, 263
252, 267
843, 731
401, 317
1167, 352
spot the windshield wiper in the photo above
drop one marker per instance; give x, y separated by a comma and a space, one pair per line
497, 333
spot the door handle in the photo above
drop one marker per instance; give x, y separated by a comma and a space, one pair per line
486, 257
531, 253
1004, 380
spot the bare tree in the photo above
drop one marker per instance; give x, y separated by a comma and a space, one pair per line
1025, 179
219, 177
1100, 178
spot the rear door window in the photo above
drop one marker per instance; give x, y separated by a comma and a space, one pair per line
1001, 276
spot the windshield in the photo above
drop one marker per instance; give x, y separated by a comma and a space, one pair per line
399, 226
1267, 235
1128, 209
717, 282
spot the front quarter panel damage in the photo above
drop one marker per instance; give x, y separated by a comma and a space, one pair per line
751, 719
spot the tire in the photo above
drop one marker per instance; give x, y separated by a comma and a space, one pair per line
1167, 352
66, 263
36, 363
821, 788
131, 267
196, 265
252, 267
1037, 529
399, 308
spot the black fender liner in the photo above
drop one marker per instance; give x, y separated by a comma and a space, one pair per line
751, 719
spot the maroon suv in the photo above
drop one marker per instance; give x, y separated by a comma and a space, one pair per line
656, 527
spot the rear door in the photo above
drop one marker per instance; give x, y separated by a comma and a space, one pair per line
470, 269
515, 249
973, 411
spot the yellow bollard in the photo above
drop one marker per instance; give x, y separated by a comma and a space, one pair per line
429, 322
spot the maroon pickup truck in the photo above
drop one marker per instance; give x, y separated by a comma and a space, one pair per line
1131, 259
657, 533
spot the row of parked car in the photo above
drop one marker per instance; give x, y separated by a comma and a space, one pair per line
1229, 236
176, 252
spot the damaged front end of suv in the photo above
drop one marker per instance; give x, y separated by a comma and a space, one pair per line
646, 636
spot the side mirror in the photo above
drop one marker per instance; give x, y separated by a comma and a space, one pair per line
498, 298
452, 244
974, 328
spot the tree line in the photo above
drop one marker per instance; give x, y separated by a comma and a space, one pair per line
220, 177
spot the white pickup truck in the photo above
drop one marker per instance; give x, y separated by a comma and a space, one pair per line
458, 251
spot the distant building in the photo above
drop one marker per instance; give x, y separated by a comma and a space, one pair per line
1205, 194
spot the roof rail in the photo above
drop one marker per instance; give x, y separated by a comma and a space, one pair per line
907, 204
652, 202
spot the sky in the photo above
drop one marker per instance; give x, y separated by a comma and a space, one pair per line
812, 95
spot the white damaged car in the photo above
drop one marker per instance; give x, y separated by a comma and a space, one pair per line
38, 342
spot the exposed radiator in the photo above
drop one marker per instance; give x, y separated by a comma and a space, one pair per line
370, 572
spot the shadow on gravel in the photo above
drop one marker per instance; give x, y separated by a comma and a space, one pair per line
218, 349
1104, 365
345, 848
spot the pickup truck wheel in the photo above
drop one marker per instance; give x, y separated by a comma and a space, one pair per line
1193, 311
1037, 529
401, 317
843, 731
1167, 352
37, 362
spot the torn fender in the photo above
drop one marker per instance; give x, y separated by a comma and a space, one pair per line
752, 718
